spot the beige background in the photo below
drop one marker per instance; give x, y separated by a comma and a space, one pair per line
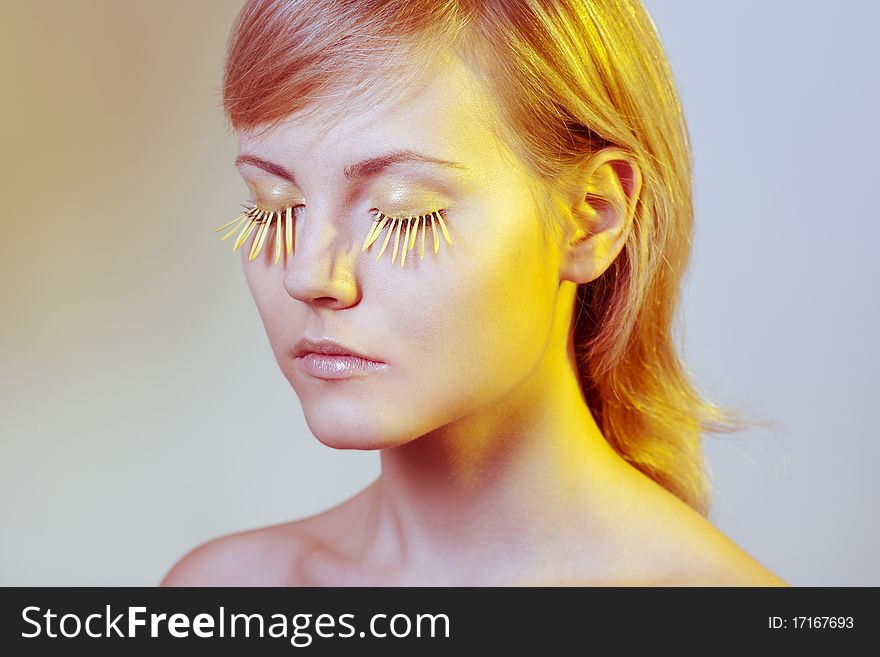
142, 412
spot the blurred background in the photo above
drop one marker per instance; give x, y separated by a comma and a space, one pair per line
142, 411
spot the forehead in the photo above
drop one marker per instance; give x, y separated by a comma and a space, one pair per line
445, 113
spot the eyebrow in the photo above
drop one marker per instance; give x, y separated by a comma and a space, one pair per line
364, 169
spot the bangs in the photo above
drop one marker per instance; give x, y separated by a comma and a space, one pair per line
334, 57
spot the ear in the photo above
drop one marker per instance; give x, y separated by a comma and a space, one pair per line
602, 203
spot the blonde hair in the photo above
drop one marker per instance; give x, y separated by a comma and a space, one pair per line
569, 77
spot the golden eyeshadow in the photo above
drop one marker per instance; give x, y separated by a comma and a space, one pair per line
270, 193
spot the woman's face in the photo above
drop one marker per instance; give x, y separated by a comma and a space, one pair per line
458, 329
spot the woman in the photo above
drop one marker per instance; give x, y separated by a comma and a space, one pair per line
468, 226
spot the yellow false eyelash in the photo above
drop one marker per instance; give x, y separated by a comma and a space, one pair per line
263, 218
413, 225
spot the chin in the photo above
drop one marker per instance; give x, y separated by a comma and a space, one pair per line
340, 431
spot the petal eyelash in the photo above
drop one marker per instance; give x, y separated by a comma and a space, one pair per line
414, 225
257, 218
262, 219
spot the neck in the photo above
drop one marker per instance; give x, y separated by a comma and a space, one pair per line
519, 476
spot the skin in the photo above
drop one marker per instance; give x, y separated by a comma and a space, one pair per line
493, 470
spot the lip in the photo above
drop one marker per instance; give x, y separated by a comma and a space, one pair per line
328, 346
328, 359
333, 366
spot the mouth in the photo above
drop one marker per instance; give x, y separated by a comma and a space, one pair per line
328, 359
334, 366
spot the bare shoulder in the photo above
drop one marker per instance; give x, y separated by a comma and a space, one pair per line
729, 565
718, 561
671, 544
275, 555
703, 555
256, 557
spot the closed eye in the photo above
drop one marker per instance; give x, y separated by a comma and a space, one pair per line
413, 226
262, 219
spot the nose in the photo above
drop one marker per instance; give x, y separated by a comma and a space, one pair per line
321, 269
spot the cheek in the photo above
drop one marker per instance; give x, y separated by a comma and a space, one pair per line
483, 322
510, 309
281, 318
257, 277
